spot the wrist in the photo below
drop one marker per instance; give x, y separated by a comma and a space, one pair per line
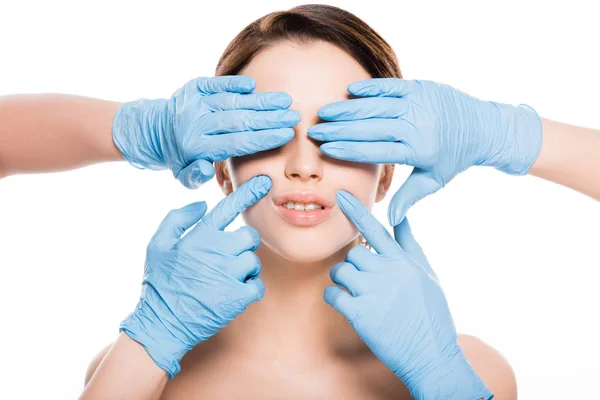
519, 139
139, 129
454, 380
145, 327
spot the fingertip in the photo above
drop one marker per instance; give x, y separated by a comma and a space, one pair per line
322, 112
256, 240
340, 197
281, 99
244, 82
360, 88
344, 199
333, 150
263, 183
203, 173
206, 168
330, 294
196, 207
327, 112
258, 288
254, 189
293, 116
333, 272
395, 216
196, 174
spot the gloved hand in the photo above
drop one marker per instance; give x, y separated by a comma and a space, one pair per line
207, 120
437, 129
399, 310
195, 285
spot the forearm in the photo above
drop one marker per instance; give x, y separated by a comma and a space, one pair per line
54, 132
570, 156
126, 372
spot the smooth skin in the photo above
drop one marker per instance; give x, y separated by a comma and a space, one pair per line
206, 120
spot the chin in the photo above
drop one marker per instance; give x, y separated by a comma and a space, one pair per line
296, 254
303, 254
304, 245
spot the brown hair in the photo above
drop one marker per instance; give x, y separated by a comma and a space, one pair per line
310, 23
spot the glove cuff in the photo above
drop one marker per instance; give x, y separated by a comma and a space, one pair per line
144, 326
456, 380
522, 130
137, 130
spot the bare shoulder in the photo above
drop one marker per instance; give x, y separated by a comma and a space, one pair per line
95, 363
491, 366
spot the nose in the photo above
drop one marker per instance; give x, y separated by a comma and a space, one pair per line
303, 157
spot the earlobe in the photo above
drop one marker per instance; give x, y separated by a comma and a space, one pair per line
385, 181
223, 177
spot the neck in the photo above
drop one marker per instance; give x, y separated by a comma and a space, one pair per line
292, 320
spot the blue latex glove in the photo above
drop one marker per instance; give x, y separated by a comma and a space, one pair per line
207, 120
437, 129
195, 285
399, 310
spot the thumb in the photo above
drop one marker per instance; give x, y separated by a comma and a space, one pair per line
177, 222
196, 173
406, 240
419, 184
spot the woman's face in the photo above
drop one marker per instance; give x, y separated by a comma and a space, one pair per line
314, 75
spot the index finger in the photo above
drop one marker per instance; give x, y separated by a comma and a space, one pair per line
226, 83
248, 101
367, 224
363, 108
241, 198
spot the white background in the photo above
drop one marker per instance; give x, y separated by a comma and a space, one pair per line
517, 257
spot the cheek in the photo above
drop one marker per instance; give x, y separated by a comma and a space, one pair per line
361, 180
247, 167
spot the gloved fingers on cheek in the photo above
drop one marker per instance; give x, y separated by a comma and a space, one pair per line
342, 302
245, 266
346, 275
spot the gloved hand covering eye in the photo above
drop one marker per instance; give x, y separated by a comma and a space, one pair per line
399, 310
439, 130
195, 285
207, 120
